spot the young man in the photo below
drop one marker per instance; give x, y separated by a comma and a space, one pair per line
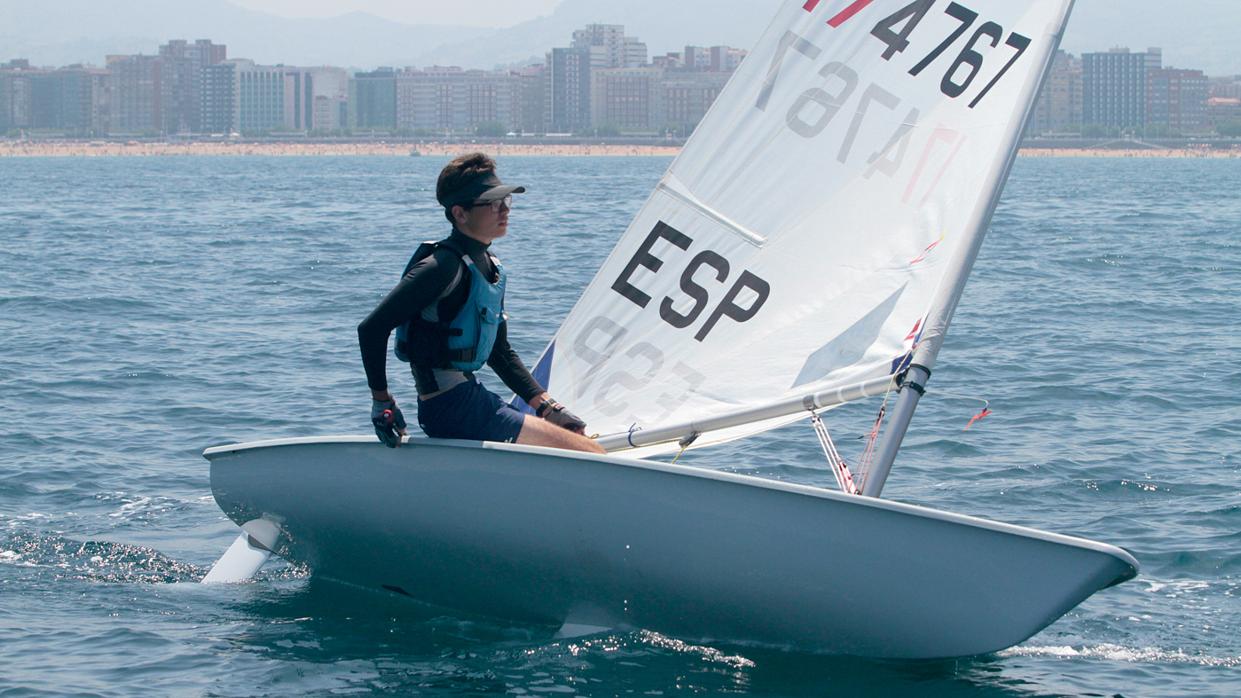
453, 300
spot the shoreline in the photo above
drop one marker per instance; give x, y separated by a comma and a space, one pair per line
381, 149
376, 149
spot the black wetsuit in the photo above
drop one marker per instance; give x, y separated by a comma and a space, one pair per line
417, 291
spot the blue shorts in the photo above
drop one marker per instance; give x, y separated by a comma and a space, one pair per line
469, 411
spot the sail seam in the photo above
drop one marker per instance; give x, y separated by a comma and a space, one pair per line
692, 201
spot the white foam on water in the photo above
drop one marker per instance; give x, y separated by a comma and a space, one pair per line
1173, 590
130, 506
709, 654
12, 557
15, 521
1119, 653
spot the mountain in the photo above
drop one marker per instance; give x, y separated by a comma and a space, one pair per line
664, 26
1193, 33
61, 32
1199, 34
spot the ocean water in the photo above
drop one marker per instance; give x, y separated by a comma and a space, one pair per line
152, 307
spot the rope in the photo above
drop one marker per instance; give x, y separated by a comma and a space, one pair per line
868, 454
982, 414
844, 478
685, 444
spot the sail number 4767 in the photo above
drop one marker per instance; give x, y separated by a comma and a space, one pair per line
894, 31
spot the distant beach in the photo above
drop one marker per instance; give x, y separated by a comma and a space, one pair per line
13, 148
1233, 152
139, 148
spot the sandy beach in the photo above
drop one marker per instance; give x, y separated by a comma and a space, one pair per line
1234, 152
13, 148
135, 148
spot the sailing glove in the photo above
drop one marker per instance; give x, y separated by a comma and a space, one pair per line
555, 413
389, 422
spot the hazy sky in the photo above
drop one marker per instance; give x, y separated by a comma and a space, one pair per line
1195, 34
475, 13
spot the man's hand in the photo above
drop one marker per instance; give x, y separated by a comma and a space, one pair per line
555, 413
389, 422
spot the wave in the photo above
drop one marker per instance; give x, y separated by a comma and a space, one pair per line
95, 561
1120, 653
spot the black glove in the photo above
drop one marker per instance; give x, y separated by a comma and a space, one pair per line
389, 422
555, 413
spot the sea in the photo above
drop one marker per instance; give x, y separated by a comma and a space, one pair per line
151, 307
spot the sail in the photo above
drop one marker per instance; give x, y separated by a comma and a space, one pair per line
822, 216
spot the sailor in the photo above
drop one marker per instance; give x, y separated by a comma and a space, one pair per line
450, 304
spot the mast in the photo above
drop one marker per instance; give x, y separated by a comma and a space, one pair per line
914, 384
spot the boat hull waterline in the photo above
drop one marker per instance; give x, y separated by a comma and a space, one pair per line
552, 537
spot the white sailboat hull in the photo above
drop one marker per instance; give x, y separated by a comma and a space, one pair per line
546, 536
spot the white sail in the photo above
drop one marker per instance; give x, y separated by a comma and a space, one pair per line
836, 193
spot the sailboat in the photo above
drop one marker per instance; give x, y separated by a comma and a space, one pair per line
806, 250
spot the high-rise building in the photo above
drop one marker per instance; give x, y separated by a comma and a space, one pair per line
273, 98
135, 94
16, 96
1176, 100
687, 95
220, 98
183, 65
610, 47
696, 58
1224, 113
1114, 87
532, 99
261, 98
668, 61
627, 99
372, 100
46, 106
1227, 87
71, 100
101, 109
331, 98
299, 100
454, 101
635, 53
1059, 105
567, 89
567, 77
725, 59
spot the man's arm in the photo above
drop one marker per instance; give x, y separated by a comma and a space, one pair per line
509, 367
418, 289
513, 372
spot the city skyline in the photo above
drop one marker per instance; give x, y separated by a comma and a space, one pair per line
606, 81
492, 14
362, 33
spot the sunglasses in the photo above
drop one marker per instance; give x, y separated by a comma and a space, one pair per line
506, 202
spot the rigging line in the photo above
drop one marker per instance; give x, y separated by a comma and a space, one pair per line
982, 414
839, 468
868, 454
685, 444
959, 396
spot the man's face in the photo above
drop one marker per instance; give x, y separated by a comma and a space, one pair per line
486, 222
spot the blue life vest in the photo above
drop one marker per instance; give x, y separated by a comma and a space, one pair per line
471, 335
